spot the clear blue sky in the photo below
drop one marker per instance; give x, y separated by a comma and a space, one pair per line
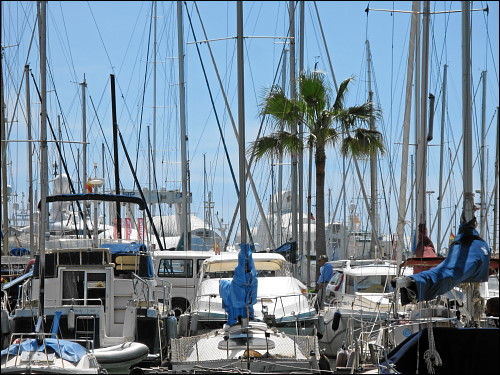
96, 39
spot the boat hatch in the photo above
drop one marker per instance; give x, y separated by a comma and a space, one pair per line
242, 342
37, 357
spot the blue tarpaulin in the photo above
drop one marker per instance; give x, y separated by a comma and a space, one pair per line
125, 248
132, 249
19, 251
70, 351
240, 294
468, 260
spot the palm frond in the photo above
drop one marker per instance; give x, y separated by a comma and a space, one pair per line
341, 94
313, 91
282, 109
363, 143
275, 144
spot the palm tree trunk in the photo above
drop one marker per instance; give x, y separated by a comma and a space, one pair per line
320, 162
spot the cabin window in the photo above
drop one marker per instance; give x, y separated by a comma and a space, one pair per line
73, 287
372, 284
81, 287
181, 268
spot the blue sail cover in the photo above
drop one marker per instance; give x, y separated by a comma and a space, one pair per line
68, 350
240, 294
468, 260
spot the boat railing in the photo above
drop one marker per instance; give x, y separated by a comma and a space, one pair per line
76, 301
166, 290
145, 284
23, 297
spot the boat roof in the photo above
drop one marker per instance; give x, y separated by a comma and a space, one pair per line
97, 197
182, 254
229, 261
372, 270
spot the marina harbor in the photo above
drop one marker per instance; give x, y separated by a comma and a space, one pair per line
256, 187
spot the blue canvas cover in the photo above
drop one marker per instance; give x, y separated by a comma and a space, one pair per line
468, 260
125, 248
131, 249
240, 294
68, 350
19, 251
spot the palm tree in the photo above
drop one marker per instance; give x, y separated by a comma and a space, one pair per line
325, 126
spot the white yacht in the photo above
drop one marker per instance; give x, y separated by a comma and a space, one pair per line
282, 300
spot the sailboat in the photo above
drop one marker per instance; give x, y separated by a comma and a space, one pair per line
243, 343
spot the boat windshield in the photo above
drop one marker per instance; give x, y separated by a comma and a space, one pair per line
368, 284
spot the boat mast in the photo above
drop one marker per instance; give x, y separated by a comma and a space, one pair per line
482, 222
241, 121
300, 201
115, 150
406, 136
3, 147
44, 172
373, 165
422, 124
280, 162
30, 161
468, 207
155, 18
495, 204
441, 148
185, 216
84, 153
291, 11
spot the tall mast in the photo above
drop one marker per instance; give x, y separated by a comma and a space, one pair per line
280, 161
406, 135
468, 207
291, 10
44, 171
185, 219
30, 155
115, 152
482, 222
373, 164
153, 207
300, 165
441, 148
3, 146
422, 124
241, 121
84, 139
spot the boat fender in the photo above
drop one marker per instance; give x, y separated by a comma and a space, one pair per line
183, 325
321, 324
5, 322
336, 320
193, 328
137, 370
171, 327
71, 319
342, 357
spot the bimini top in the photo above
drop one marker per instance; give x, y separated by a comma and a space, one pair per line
96, 197
67, 350
263, 262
